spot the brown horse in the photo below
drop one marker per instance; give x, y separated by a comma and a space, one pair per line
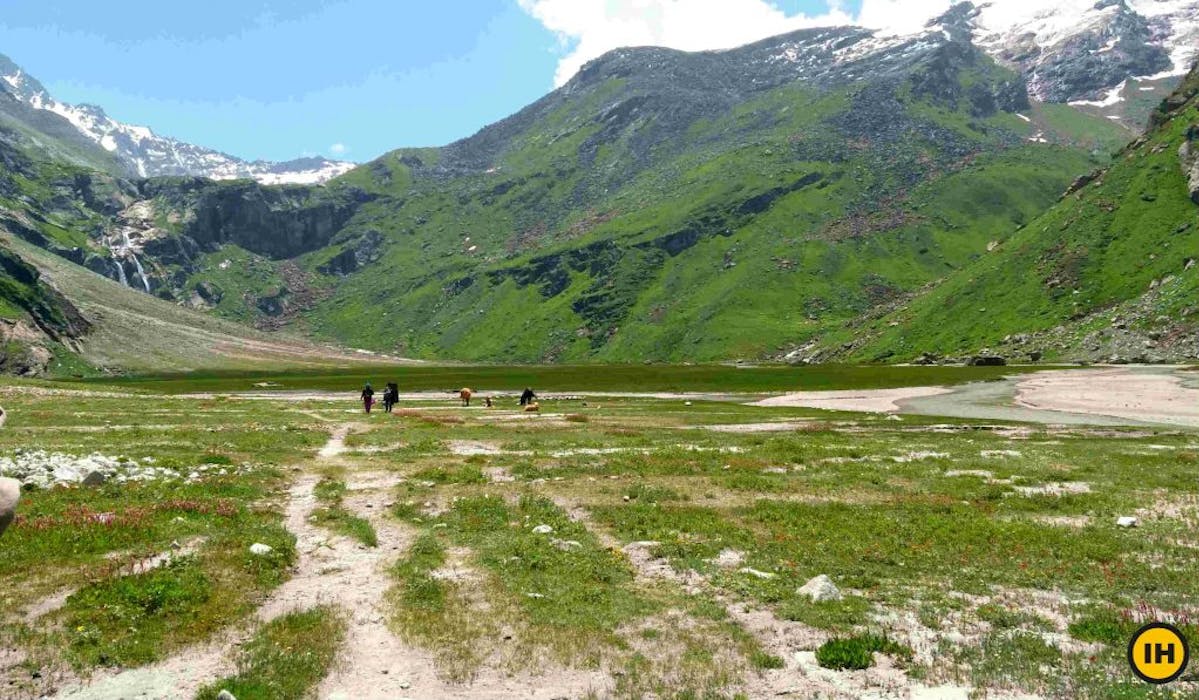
465, 395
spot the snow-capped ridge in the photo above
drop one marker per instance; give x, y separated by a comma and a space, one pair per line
147, 154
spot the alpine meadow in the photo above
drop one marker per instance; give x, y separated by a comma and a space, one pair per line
856, 361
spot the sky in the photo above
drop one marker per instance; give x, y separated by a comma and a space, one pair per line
353, 79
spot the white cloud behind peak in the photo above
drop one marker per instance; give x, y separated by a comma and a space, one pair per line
587, 29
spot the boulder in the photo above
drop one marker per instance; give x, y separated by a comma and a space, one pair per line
987, 361
94, 479
10, 494
820, 589
1188, 156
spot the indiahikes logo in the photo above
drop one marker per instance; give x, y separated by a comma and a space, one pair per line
1158, 653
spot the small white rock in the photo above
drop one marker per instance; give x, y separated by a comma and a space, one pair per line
261, 549
1127, 521
820, 589
543, 530
225, 695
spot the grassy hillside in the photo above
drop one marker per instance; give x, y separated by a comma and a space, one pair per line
662, 205
133, 331
1106, 272
620, 219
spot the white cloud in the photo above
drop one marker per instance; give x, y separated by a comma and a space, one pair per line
589, 28
338, 149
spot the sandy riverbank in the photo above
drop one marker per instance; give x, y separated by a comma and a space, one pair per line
864, 400
1138, 394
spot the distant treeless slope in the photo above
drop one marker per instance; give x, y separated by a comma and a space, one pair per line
135, 332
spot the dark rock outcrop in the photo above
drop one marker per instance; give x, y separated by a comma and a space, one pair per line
1188, 156
276, 222
355, 256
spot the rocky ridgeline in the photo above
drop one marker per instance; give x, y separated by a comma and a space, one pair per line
40, 469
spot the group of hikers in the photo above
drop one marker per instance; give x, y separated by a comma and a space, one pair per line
391, 396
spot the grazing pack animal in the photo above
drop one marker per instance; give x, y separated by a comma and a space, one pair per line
10, 494
533, 407
465, 395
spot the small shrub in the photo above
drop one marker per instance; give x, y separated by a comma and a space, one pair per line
856, 653
1102, 625
763, 660
652, 494
576, 418
466, 474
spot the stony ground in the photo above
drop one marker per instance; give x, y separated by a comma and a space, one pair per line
606, 547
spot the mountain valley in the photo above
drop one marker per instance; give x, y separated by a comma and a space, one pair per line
771, 201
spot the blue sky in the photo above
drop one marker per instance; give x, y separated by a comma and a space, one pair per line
281, 78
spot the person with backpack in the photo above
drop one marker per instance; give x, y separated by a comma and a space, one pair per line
391, 396
527, 397
368, 397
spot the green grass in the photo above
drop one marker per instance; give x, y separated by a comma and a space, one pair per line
133, 620
1008, 585
856, 653
286, 658
619, 377
334, 516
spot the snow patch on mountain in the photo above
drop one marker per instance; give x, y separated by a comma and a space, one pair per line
149, 155
1114, 96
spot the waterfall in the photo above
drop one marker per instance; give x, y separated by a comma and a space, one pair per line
116, 261
127, 249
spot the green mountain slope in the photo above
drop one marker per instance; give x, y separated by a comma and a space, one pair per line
661, 205
91, 324
1107, 273
632, 215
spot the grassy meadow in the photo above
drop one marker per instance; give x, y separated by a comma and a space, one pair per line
606, 547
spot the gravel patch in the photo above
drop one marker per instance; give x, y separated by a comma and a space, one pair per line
37, 468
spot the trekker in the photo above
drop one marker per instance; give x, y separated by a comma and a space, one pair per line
368, 397
391, 396
527, 396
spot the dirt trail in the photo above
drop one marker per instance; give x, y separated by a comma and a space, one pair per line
182, 675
